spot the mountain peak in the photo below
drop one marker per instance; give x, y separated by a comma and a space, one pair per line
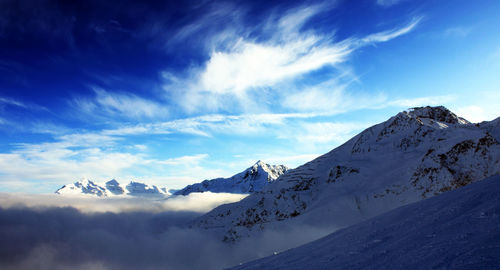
260, 163
84, 181
112, 182
437, 113
252, 179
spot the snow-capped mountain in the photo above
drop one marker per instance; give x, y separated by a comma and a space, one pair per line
414, 155
250, 180
456, 230
111, 188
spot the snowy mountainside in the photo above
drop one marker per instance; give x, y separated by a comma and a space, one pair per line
111, 188
251, 180
456, 230
414, 155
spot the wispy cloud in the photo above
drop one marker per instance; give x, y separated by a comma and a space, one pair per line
390, 34
185, 160
388, 3
422, 101
7, 101
458, 32
121, 105
13, 102
482, 106
326, 132
208, 124
248, 74
331, 97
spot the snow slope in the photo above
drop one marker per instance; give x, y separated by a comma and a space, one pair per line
111, 188
250, 180
456, 230
414, 155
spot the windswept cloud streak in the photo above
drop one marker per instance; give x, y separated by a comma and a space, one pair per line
243, 76
185, 160
390, 34
388, 3
9, 101
114, 105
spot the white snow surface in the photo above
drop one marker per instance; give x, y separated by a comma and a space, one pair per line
414, 155
456, 230
111, 188
251, 180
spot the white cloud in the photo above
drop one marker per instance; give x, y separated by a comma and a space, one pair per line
422, 101
473, 113
476, 106
459, 32
13, 102
121, 105
247, 75
185, 160
252, 65
194, 202
7, 101
327, 132
390, 34
388, 3
331, 97
54, 167
479, 106
208, 124
291, 160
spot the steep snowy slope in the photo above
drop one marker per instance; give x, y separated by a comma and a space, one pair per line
250, 180
413, 155
111, 188
456, 230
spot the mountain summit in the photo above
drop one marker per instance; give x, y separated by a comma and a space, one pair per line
439, 114
251, 180
414, 155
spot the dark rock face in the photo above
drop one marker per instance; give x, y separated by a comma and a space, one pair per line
439, 113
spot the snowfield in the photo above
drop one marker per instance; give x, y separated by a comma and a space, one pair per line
456, 230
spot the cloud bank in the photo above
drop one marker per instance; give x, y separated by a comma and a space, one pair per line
194, 202
64, 237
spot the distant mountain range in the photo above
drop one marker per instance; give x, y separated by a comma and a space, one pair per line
414, 155
251, 180
111, 188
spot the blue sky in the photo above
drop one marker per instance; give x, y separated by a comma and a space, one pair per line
173, 93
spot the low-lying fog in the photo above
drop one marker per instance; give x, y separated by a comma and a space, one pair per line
60, 232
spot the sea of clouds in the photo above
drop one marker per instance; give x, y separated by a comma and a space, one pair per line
62, 232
